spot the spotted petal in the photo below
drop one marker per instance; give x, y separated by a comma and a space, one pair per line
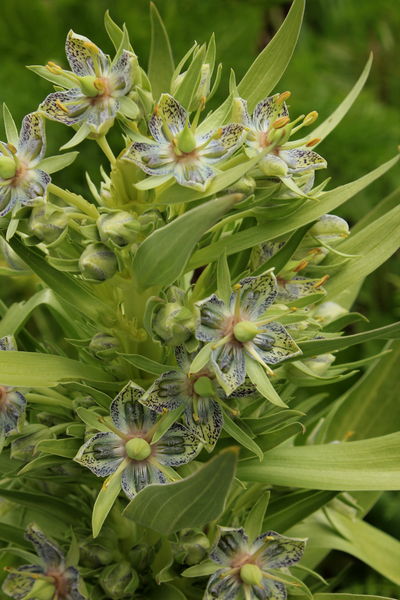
213, 314
269, 590
7, 200
230, 543
223, 585
12, 411
71, 574
169, 391
279, 552
18, 585
46, 549
84, 57
7, 343
206, 423
194, 173
137, 475
68, 107
302, 159
228, 140
177, 447
274, 344
228, 363
128, 414
267, 111
122, 72
102, 453
34, 187
298, 287
256, 295
32, 139
153, 159
169, 114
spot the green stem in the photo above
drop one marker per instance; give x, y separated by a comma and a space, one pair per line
105, 146
74, 200
39, 399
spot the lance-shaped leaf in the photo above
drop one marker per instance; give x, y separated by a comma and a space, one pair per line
372, 464
192, 502
286, 511
161, 258
267, 231
161, 63
32, 369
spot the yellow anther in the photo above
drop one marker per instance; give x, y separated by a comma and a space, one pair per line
348, 435
323, 280
236, 287
293, 308
283, 97
12, 148
99, 84
315, 251
310, 118
313, 142
156, 110
61, 106
302, 265
281, 122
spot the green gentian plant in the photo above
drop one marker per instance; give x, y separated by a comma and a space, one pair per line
157, 372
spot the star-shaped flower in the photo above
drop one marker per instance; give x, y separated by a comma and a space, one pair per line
270, 127
252, 571
243, 328
128, 446
22, 182
97, 88
50, 577
196, 392
177, 149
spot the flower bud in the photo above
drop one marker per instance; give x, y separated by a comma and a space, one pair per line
94, 554
47, 223
192, 548
319, 364
273, 167
245, 185
120, 228
328, 311
24, 446
330, 228
8, 167
103, 343
98, 262
119, 580
173, 324
150, 220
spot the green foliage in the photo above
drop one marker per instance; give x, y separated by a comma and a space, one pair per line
178, 379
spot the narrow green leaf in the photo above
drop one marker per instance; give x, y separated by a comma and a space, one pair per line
67, 447
372, 464
203, 569
177, 240
10, 126
253, 525
315, 347
166, 591
241, 436
13, 535
146, 364
188, 87
267, 231
192, 502
105, 499
375, 243
57, 79
114, 32
32, 369
52, 164
288, 510
224, 284
55, 506
161, 63
259, 377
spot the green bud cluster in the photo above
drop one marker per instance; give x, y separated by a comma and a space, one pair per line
98, 263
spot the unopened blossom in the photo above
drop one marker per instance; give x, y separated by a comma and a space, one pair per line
98, 85
242, 327
252, 570
269, 127
49, 578
22, 182
128, 447
178, 150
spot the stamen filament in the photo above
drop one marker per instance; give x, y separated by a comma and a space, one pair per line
112, 428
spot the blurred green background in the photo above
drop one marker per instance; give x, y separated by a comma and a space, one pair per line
334, 45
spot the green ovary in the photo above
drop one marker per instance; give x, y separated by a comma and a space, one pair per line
138, 449
245, 331
251, 574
